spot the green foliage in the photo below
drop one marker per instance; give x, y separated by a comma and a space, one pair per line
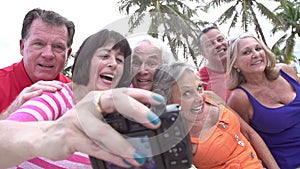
174, 17
289, 14
67, 71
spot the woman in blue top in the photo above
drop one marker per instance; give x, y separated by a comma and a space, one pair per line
267, 96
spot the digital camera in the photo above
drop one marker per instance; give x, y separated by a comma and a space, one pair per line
167, 147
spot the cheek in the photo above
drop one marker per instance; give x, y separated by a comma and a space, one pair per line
186, 106
120, 70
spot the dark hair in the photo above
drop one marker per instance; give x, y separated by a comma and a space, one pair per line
83, 57
204, 31
50, 17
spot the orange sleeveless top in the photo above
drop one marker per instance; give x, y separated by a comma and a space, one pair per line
225, 147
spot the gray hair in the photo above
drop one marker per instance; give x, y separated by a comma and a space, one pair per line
168, 75
166, 54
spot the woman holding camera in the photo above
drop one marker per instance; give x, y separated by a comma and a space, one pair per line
99, 65
220, 138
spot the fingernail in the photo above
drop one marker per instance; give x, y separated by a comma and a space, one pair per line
158, 98
139, 158
153, 118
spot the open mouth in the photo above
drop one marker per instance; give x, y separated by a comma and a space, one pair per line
257, 62
141, 80
197, 110
222, 51
45, 66
107, 77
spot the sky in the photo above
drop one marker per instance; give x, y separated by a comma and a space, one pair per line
89, 16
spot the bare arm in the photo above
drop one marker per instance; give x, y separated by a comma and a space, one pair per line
79, 130
29, 92
258, 144
240, 104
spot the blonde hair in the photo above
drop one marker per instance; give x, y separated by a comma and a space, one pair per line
236, 77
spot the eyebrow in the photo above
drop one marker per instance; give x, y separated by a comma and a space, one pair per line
151, 56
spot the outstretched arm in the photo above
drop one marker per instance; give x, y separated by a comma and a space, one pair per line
80, 130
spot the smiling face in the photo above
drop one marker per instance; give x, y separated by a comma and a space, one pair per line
145, 59
187, 93
250, 56
44, 50
106, 68
214, 46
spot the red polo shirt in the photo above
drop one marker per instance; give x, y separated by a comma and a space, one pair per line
13, 79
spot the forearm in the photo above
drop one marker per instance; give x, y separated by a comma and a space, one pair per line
263, 151
17, 142
7, 112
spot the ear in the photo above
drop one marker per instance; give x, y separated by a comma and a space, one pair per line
69, 53
21, 43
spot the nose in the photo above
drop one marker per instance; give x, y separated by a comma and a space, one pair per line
47, 51
198, 97
112, 62
255, 54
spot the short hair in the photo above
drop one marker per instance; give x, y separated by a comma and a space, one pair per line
236, 77
204, 31
83, 57
50, 17
168, 75
166, 54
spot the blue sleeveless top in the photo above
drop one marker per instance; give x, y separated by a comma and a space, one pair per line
279, 127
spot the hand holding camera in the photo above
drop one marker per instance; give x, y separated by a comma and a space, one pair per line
164, 148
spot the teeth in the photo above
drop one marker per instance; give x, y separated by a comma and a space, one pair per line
221, 51
143, 80
257, 62
197, 109
46, 66
108, 75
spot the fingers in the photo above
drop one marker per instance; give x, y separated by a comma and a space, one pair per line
127, 102
46, 86
124, 101
38, 88
109, 144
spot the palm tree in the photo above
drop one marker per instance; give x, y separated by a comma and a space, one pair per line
67, 71
289, 14
173, 16
247, 11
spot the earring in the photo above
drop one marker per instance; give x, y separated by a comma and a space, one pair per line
238, 70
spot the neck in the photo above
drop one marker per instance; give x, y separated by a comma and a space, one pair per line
219, 66
79, 91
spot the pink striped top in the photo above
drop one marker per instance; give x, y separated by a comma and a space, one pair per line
50, 106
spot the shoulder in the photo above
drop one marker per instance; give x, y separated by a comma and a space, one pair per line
289, 70
213, 96
63, 78
237, 96
239, 102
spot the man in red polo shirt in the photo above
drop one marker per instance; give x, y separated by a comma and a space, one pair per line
45, 46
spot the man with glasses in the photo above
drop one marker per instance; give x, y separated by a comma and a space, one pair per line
147, 55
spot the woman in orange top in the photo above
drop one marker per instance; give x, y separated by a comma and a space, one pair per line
220, 139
